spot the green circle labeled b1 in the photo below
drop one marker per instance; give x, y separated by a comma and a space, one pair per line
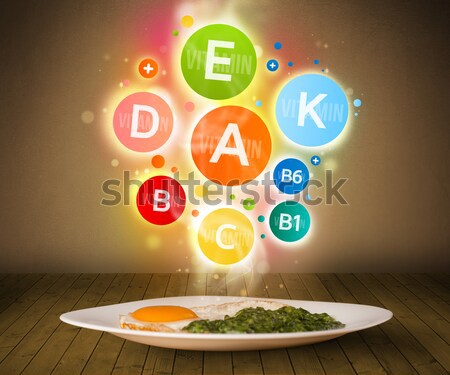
218, 61
289, 221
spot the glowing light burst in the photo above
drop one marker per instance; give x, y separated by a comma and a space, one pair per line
166, 49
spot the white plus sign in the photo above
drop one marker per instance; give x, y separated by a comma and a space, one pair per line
272, 65
315, 160
148, 68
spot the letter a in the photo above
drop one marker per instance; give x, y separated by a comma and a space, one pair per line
222, 148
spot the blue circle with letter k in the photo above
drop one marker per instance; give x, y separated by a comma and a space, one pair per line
312, 110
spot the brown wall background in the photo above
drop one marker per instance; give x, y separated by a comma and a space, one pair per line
52, 165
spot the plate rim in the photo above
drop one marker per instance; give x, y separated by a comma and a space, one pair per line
65, 317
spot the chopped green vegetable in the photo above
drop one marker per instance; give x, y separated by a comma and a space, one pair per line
259, 320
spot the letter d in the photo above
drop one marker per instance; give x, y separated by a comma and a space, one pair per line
135, 133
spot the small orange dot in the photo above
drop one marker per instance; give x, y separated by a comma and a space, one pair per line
174, 169
195, 213
158, 161
148, 68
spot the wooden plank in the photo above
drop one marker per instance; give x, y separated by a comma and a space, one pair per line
177, 285
217, 363
424, 294
132, 357
428, 316
424, 334
418, 357
437, 288
53, 349
295, 287
15, 333
441, 278
196, 284
24, 351
235, 285
15, 286
106, 352
157, 286
216, 284
161, 360
360, 348
246, 362
16, 309
78, 353
255, 285
10, 280
276, 361
304, 359
186, 361
330, 353
156, 289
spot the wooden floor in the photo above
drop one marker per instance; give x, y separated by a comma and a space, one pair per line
34, 341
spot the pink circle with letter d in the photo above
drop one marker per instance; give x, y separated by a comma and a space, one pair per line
143, 122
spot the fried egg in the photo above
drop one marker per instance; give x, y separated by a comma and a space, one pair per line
158, 318
175, 318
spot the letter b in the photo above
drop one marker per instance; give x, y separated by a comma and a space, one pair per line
161, 196
285, 222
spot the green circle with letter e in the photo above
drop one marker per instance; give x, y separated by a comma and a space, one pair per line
218, 61
289, 221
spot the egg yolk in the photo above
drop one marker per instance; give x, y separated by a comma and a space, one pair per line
163, 314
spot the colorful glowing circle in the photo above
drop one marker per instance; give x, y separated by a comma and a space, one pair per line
187, 21
137, 122
218, 61
291, 176
312, 110
226, 236
161, 200
237, 148
289, 221
158, 161
249, 204
148, 68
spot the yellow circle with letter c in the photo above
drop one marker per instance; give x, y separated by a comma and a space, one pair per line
226, 236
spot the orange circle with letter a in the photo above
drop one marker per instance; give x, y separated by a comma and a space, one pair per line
231, 145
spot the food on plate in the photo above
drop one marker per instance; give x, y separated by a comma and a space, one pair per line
260, 320
158, 318
248, 316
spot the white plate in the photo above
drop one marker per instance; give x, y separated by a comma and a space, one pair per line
106, 318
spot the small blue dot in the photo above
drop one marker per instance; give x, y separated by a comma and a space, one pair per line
323, 70
316, 61
258, 103
315, 160
357, 102
290, 63
277, 45
308, 197
272, 65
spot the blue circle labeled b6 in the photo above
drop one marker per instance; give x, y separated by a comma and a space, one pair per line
291, 176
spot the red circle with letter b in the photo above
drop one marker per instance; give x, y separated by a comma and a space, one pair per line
161, 200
